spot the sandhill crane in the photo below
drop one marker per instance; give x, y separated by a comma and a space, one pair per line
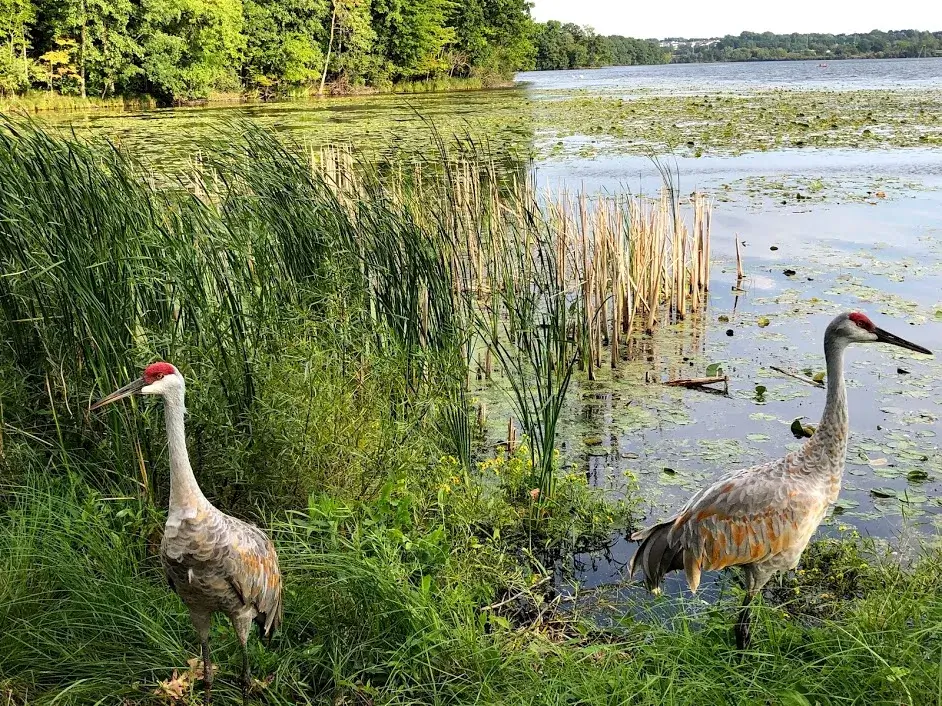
214, 562
762, 518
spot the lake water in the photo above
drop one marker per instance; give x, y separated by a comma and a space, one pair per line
743, 76
866, 234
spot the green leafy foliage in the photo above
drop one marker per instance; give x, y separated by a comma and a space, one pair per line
759, 46
569, 46
184, 50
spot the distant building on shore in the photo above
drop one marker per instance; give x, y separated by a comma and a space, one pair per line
675, 43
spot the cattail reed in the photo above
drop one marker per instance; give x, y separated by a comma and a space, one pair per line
627, 262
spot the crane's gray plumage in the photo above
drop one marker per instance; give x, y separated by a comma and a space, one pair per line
762, 518
214, 562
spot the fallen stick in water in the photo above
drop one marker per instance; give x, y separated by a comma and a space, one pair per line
803, 378
698, 382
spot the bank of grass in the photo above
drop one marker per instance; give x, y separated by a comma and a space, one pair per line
391, 602
451, 83
322, 320
52, 102
46, 101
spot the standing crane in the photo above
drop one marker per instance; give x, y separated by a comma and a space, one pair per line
214, 562
762, 518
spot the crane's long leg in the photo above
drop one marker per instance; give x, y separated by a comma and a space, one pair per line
207, 673
755, 577
243, 626
246, 675
202, 622
743, 623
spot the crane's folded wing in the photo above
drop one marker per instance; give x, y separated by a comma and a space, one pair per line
748, 516
253, 572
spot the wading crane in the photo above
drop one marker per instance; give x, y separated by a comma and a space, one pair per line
762, 518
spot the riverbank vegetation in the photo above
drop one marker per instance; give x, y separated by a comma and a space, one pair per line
189, 51
328, 314
569, 46
766, 46
93, 53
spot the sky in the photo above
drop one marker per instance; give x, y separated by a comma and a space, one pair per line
705, 18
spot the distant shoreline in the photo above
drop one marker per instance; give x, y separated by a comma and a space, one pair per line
742, 61
571, 47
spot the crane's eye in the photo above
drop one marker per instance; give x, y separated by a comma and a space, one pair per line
160, 376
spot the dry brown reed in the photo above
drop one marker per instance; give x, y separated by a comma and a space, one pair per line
628, 262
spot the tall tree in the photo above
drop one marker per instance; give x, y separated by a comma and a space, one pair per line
353, 40
494, 34
283, 41
411, 36
191, 47
16, 18
551, 46
110, 50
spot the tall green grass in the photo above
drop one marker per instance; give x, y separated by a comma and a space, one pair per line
256, 288
386, 607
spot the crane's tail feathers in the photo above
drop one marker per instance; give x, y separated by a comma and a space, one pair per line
656, 556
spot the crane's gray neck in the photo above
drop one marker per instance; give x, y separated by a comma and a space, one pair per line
185, 493
834, 428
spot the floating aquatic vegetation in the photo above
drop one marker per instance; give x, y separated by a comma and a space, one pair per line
733, 123
802, 193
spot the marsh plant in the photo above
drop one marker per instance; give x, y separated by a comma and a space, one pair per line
542, 281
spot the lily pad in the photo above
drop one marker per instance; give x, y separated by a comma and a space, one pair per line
844, 504
714, 369
801, 431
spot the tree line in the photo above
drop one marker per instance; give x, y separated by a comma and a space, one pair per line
765, 46
176, 50
569, 46
179, 50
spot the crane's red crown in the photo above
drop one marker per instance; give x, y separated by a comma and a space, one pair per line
862, 321
155, 371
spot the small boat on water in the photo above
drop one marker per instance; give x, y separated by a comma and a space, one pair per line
822, 66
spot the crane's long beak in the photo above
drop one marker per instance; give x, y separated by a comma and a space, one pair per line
126, 391
887, 337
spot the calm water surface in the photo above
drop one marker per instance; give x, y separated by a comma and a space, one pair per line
855, 74
848, 247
